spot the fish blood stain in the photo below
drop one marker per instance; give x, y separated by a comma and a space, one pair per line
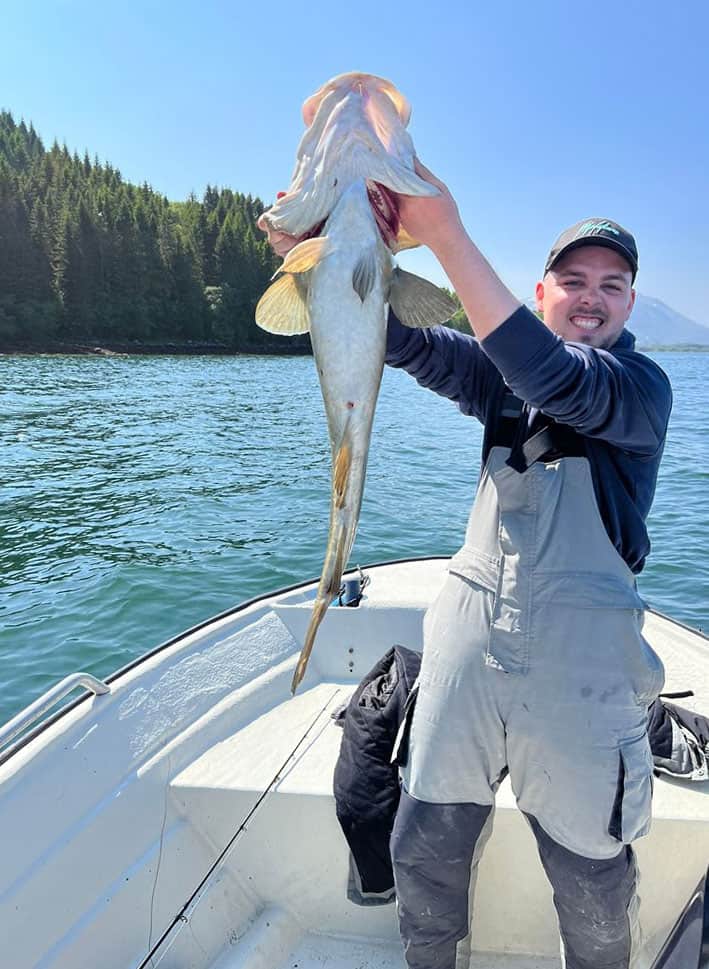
350, 404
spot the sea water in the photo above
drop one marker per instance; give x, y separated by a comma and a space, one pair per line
141, 495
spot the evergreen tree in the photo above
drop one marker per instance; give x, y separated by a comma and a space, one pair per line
85, 256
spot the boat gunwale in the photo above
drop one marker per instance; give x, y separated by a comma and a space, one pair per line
32, 734
53, 718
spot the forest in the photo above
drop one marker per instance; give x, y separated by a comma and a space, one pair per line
87, 258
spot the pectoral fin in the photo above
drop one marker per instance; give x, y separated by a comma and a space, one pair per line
417, 302
365, 273
305, 255
283, 307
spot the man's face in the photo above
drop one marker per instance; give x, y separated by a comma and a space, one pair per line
587, 296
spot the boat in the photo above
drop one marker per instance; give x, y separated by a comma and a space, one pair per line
180, 813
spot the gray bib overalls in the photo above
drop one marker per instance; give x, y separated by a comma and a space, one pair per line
534, 665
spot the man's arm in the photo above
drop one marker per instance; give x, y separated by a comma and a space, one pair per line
620, 396
623, 398
446, 361
435, 221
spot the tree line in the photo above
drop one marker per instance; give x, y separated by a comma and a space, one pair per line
86, 257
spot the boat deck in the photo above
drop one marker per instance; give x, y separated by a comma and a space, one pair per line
294, 850
138, 793
318, 952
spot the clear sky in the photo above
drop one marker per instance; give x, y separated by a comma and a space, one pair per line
535, 114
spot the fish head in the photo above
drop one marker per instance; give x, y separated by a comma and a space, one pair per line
370, 87
356, 132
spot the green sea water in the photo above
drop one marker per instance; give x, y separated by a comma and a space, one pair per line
141, 495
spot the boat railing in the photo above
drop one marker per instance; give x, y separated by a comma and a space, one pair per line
42, 704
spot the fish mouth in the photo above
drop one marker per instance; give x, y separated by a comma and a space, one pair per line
386, 212
358, 81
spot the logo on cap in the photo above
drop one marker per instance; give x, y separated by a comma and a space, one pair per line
595, 228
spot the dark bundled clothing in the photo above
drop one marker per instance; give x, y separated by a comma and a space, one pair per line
366, 782
617, 399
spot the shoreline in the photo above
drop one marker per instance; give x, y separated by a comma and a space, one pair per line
144, 350
217, 349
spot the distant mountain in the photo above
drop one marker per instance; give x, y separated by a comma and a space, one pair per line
657, 325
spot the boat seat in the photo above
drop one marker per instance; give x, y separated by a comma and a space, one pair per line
294, 831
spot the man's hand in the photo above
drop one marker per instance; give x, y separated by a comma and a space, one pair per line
436, 223
280, 242
432, 220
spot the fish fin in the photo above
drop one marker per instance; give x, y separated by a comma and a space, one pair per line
305, 255
283, 307
418, 302
341, 473
405, 241
328, 588
365, 273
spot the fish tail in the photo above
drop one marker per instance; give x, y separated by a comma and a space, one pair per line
319, 610
329, 587
339, 544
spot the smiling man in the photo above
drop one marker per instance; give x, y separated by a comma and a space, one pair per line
534, 664
587, 292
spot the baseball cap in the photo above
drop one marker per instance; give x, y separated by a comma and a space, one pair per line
595, 232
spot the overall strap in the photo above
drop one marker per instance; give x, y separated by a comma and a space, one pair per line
502, 421
507, 426
548, 444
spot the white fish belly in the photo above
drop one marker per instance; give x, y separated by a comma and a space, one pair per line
349, 344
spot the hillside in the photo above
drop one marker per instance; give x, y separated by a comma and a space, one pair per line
656, 324
88, 258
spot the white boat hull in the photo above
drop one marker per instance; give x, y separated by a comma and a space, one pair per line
113, 815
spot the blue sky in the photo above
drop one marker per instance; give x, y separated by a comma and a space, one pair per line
536, 115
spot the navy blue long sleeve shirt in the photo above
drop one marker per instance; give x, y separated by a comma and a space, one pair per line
618, 399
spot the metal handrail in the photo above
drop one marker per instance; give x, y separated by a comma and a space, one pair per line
43, 703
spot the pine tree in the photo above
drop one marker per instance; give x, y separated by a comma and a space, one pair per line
85, 255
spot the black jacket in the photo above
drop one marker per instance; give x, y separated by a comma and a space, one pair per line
366, 780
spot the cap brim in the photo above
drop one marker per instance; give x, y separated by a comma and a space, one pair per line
595, 241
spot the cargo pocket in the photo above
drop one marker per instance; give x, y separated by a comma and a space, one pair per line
632, 808
400, 753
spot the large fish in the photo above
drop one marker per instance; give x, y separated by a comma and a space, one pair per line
338, 282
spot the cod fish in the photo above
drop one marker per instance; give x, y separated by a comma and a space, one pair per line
337, 283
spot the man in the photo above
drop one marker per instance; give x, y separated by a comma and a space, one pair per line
534, 663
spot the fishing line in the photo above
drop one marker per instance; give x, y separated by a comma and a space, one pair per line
183, 916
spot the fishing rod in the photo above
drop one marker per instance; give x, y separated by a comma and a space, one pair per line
185, 913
